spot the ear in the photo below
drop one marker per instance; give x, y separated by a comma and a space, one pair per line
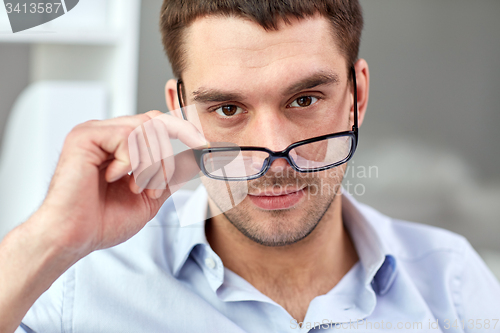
363, 86
171, 98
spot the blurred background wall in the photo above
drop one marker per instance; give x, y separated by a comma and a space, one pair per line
430, 137
432, 123
14, 77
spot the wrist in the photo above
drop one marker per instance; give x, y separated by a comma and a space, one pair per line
30, 261
47, 238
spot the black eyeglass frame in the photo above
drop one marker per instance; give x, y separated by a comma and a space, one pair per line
274, 155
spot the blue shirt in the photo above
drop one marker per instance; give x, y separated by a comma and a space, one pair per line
409, 277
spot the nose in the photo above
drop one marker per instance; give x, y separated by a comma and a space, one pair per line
272, 130
279, 166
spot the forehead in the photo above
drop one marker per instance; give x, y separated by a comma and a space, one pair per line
239, 50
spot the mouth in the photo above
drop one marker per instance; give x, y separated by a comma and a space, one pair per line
277, 200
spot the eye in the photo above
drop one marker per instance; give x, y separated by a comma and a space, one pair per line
229, 110
303, 101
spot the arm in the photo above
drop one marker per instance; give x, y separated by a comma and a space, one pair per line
92, 203
30, 263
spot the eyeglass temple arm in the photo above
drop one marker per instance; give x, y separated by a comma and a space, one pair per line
179, 97
354, 127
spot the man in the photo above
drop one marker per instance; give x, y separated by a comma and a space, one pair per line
263, 74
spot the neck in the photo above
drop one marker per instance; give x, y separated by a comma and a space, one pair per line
321, 259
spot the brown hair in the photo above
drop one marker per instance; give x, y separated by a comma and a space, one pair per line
176, 15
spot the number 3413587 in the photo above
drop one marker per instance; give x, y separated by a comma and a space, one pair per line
33, 8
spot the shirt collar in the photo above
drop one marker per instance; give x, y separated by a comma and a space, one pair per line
366, 227
364, 224
191, 231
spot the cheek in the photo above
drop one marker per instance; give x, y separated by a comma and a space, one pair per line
226, 195
335, 175
326, 184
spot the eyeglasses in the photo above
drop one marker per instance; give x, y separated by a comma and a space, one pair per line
241, 163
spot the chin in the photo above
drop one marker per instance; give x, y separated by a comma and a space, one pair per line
275, 227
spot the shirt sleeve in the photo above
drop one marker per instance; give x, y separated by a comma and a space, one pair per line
480, 291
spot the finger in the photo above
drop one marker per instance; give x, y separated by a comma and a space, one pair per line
165, 148
133, 121
128, 152
147, 146
182, 130
158, 183
153, 147
151, 140
94, 144
157, 140
143, 178
186, 169
143, 146
134, 187
157, 133
177, 128
165, 194
160, 179
111, 137
153, 193
143, 158
133, 147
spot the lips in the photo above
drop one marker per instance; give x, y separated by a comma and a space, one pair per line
277, 200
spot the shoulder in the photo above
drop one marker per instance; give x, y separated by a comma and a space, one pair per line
444, 265
413, 241
440, 264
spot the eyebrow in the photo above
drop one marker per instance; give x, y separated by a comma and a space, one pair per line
317, 79
320, 78
212, 95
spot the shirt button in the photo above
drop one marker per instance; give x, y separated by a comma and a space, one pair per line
210, 263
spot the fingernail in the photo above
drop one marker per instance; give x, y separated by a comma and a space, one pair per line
158, 193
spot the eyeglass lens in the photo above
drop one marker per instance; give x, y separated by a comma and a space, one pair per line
321, 153
248, 163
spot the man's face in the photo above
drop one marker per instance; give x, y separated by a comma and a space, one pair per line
263, 88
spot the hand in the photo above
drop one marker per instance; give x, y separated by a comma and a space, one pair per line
93, 202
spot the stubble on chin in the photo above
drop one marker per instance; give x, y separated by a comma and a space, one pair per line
279, 227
